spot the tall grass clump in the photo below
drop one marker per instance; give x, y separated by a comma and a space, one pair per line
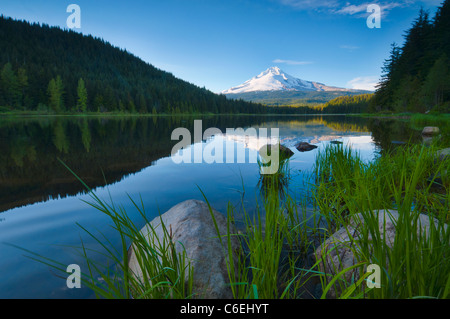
411, 181
268, 267
274, 240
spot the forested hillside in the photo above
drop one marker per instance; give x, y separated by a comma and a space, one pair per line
416, 75
48, 69
347, 104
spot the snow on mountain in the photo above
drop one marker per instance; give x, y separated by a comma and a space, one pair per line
274, 79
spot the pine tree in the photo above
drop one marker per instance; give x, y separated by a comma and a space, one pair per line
384, 92
99, 103
82, 96
437, 83
441, 32
22, 80
142, 104
417, 44
10, 85
56, 91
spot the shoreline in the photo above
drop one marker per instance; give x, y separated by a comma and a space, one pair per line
399, 116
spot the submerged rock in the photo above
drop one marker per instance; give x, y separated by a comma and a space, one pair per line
284, 151
305, 147
337, 252
427, 140
437, 179
443, 154
430, 131
336, 142
192, 228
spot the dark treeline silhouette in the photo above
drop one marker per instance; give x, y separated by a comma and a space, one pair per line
416, 76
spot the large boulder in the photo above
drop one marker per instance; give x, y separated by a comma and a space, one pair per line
337, 252
430, 131
192, 228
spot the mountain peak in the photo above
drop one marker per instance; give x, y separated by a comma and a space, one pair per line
274, 69
274, 79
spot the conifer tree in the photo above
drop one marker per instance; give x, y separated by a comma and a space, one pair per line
56, 91
437, 83
10, 85
82, 96
22, 81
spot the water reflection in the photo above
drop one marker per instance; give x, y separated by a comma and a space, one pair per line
388, 133
136, 152
116, 147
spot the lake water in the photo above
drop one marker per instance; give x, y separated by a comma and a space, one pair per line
41, 202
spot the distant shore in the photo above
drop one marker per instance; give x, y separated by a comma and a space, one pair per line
404, 116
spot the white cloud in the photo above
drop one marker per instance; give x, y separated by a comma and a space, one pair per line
361, 9
350, 8
291, 62
363, 83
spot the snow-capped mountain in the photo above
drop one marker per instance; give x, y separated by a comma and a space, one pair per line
274, 79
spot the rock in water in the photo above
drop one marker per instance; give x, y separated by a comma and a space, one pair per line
398, 143
191, 226
430, 131
443, 154
337, 252
284, 151
305, 147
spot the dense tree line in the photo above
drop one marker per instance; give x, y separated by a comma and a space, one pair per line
416, 76
293, 98
347, 104
49, 69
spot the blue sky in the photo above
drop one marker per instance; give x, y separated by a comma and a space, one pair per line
220, 44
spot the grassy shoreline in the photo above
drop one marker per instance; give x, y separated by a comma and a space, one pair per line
431, 116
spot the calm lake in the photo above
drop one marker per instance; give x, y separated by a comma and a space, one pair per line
41, 202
